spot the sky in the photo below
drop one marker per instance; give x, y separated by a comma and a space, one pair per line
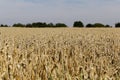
64, 11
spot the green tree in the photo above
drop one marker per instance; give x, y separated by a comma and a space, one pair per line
2, 25
99, 25
5, 25
117, 24
78, 24
89, 25
108, 25
50, 25
60, 25
28, 25
39, 24
18, 25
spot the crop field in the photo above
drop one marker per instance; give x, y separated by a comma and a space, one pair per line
59, 54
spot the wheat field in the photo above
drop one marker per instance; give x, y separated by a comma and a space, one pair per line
59, 54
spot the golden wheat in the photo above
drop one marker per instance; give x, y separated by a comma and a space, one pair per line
59, 54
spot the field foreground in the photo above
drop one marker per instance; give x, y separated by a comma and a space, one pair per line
59, 54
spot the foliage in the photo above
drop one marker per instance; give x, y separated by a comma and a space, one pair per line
2, 25
98, 25
39, 24
18, 25
28, 25
117, 24
108, 25
89, 25
43, 24
78, 24
60, 25
51, 25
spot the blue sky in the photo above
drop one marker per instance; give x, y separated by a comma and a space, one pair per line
66, 11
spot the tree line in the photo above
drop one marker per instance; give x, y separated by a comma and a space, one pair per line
44, 24
89, 25
40, 24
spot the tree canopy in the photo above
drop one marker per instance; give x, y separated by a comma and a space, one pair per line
78, 24
89, 25
99, 25
75, 24
60, 25
117, 24
18, 25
